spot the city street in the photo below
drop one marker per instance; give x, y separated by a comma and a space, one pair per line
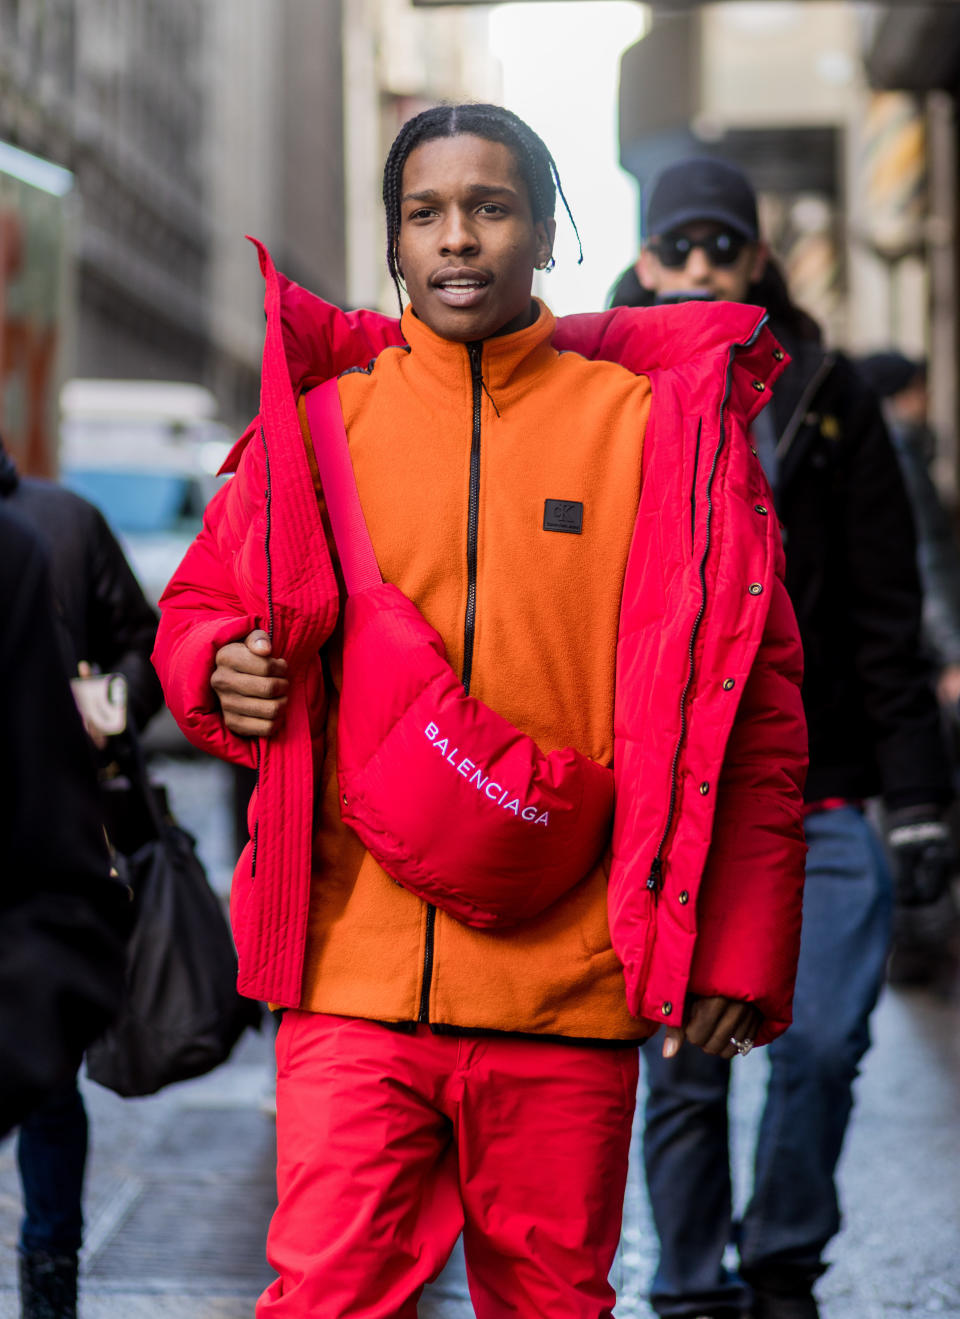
181, 1185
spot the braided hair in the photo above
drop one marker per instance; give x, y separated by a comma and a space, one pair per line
493, 123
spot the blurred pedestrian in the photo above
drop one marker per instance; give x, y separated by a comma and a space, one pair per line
103, 623
874, 728
63, 919
900, 383
438, 1072
924, 934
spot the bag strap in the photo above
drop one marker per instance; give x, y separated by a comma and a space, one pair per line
131, 759
329, 437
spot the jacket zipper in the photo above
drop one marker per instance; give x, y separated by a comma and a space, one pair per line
475, 354
266, 549
655, 878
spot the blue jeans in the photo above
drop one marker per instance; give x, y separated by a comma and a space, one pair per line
52, 1153
793, 1211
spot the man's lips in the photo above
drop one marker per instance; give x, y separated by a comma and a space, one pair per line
460, 286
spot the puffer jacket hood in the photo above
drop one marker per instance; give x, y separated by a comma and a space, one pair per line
320, 341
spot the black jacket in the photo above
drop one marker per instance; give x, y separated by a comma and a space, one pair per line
62, 918
103, 615
873, 720
851, 574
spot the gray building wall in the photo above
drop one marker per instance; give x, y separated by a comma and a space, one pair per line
186, 125
114, 93
313, 184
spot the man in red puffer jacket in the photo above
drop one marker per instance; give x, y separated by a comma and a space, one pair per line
434, 1077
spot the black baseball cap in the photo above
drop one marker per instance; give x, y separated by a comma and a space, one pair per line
701, 188
889, 373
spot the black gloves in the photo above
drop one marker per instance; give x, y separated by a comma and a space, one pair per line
921, 854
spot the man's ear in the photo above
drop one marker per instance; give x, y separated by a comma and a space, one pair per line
759, 264
546, 232
646, 268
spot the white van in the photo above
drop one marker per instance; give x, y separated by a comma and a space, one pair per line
146, 454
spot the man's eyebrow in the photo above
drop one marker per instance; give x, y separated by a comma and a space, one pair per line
430, 194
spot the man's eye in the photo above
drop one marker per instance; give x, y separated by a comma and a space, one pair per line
491, 208
422, 213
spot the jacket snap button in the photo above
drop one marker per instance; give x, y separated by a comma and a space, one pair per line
683, 897
729, 684
344, 799
778, 354
667, 1008
704, 789
755, 588
759, 386
759, 508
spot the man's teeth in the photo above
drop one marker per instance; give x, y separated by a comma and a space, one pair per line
463, 283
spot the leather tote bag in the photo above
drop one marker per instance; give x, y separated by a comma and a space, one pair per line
181, 1014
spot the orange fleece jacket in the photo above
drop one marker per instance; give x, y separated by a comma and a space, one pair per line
552, 426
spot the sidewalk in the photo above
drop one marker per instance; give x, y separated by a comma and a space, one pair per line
180, 1186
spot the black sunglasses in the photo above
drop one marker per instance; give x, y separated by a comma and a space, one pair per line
720, 249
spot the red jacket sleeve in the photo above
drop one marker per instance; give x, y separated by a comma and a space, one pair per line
200, 611
750, 901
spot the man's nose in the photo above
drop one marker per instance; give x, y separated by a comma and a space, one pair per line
457, 235
698, 269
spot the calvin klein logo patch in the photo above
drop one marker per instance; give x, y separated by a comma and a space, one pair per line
563, 515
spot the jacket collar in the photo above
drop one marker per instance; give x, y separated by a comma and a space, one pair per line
510, 363
320, 340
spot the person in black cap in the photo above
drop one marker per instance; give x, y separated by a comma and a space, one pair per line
874, 730
703, 218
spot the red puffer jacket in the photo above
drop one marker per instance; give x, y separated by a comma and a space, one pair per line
710, 749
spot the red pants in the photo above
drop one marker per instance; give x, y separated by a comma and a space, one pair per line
391, 1144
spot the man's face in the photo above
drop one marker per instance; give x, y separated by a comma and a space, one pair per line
703, 249
468, 242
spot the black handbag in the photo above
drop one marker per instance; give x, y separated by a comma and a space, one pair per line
181, 1014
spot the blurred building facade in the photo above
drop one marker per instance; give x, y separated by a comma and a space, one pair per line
400, 59
184, 125
114, 93
845, 117
273, 144
912, 57
188, 125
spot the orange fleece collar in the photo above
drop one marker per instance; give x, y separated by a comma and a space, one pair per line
510, 363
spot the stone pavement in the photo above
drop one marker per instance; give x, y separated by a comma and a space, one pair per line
180, 1185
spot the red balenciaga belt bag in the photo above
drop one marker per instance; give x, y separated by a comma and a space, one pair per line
455, 803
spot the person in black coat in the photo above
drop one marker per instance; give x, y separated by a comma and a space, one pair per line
874, 730
103, 617
63, 918
101, 622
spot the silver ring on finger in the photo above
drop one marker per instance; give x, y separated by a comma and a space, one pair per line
743, 1046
